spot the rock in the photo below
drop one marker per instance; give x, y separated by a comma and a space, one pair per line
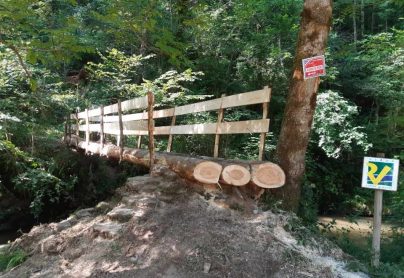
121, 214
52, 245
65, 224
144, 183
107, 230
4, 248
206, 267
85, 212
139, 201
103, 207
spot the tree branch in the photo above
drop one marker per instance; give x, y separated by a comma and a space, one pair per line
20, 60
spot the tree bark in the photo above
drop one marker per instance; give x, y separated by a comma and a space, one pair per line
355, 31
19, 57
362, 18
301, 103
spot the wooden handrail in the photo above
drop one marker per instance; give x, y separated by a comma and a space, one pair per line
102, 120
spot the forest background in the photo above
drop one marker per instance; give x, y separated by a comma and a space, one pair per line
60, 55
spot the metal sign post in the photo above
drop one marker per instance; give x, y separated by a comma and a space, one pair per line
380, 174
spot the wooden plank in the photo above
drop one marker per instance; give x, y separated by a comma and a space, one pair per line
102, 135
81, 115
94, 112
132, 104
163, 130
77, 124
120, 136
377, 223
254, 97
87, 131
150, 124
164, 113
217, 136
377, 227
252, 126
261, 147
139, 142
243, 99
69, 127
127, 105
110, 109
139, 139
113, 128
203, 106
65, 133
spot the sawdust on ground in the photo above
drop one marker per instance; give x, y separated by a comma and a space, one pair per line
162, 226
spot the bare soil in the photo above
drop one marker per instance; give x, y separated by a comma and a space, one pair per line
162, 226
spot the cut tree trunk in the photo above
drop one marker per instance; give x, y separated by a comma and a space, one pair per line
301, 102
206, 170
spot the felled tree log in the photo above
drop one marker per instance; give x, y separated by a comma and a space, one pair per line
191, 168
206, 170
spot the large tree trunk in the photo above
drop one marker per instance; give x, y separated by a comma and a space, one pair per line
206, 170
301, 103
362, 19
355, 31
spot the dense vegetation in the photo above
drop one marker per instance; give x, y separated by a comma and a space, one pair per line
57, 55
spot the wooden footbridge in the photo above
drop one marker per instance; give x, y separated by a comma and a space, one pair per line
136, 117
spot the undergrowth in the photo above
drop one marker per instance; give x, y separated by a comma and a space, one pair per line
9, 260
391, 260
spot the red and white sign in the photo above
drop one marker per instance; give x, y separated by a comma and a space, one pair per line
313, 67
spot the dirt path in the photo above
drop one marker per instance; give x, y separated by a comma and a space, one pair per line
163, 227
359, 230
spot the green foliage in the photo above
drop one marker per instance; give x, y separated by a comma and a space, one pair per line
126, 48
391, 263
43, 187
9, 260
118, 76
335, 127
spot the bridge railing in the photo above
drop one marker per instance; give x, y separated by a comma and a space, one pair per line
117, 120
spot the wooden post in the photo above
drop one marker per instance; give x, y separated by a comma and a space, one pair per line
170, 137
120, 137
102, 134
69, 125
377, 224
139, 139
139, 142
65, 135
263, 135
150, 121
87, 131
69, 128
217, 136
77, 123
